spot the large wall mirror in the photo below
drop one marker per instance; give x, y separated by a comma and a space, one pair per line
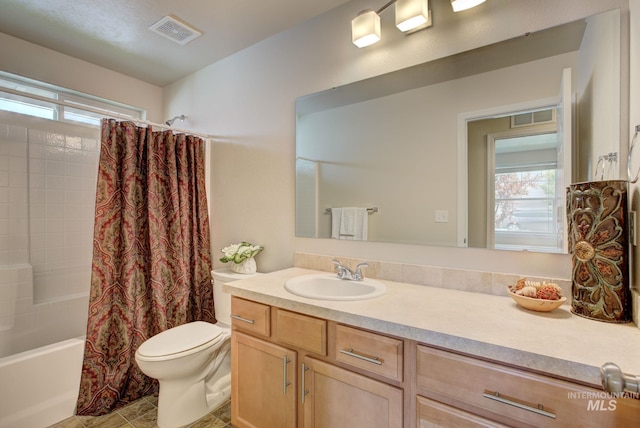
474, 150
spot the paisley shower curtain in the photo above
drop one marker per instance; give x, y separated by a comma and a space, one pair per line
151, 256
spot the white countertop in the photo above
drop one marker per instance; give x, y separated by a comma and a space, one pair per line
559, 342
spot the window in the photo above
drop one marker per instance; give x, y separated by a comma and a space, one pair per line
524, 201
524, 192
29, 97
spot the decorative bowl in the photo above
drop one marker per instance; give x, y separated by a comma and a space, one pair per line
533, 304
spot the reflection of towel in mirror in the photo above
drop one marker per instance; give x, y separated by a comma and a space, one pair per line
349, 223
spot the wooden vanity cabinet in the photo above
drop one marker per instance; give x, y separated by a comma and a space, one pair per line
285, 372
294, 370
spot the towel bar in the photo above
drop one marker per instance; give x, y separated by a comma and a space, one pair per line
369, 210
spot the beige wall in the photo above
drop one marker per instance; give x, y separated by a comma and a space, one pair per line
248, 101
33, 61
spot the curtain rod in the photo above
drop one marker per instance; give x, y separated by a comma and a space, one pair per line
106, 113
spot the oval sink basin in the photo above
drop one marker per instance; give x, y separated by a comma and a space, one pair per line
330, 287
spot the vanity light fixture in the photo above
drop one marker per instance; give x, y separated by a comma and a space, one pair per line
410, 15
459, 5
365, 28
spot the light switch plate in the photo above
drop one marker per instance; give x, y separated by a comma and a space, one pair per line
442, 216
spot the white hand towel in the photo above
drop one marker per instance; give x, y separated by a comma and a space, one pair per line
353, 224
336, 218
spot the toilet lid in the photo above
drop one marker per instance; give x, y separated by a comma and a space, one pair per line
180, 339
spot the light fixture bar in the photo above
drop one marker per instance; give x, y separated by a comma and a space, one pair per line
379, 11
459, 5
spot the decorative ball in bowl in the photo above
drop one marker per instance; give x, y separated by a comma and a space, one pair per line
534, 304
536, 296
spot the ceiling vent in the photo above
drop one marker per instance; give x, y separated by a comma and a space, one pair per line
175, 30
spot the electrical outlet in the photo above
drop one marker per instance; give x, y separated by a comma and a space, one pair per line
442, 216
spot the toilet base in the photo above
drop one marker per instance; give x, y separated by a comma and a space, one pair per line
178, 407
219, 392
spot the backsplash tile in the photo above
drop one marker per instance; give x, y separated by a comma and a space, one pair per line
422, 275
459, 279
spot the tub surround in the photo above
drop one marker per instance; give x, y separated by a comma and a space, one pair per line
34, 395
484, 325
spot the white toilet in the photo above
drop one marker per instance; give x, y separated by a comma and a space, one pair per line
192, 362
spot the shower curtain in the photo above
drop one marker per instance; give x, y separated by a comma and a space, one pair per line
151, 257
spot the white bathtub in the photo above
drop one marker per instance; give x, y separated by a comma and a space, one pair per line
40, 387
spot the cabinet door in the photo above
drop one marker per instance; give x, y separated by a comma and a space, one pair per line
263, 384
335, 397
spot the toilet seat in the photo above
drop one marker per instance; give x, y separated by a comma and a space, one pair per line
181, 341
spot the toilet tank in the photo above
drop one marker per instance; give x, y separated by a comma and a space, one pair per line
222, 300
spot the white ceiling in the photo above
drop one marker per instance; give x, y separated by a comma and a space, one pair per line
114, 33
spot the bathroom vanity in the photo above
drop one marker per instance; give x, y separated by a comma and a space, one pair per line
419, 356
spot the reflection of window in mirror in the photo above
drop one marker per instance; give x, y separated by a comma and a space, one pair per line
524, 192
516, 164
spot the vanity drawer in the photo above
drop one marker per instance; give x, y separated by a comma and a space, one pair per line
513, 396
372, 352
301, 331
251, 316
430, 413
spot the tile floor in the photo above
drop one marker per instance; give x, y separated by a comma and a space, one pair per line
142, 414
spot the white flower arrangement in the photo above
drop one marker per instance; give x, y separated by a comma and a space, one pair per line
237, 253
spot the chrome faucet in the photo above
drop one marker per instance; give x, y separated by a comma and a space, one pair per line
347, 274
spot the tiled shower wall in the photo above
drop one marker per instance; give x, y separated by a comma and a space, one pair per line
47, 197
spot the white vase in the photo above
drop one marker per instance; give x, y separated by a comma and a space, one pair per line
246, 267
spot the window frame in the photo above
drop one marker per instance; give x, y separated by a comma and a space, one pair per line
16, 89
491, 173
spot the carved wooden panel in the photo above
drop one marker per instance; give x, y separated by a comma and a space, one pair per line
598, 240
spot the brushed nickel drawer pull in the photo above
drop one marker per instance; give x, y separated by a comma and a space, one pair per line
503, 399
285, 361
304, 391
239, 318
350, 352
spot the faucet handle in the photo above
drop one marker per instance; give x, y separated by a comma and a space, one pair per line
358, 273
340, 269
